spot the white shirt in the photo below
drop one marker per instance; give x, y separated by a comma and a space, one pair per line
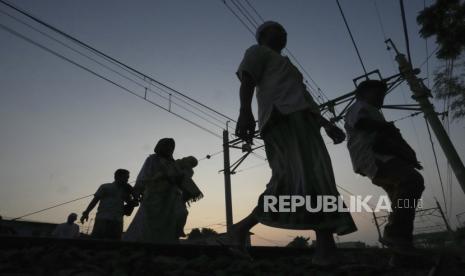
66, 231
111, 205
279, 83
360, 142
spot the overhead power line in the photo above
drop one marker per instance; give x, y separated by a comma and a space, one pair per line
254, 10
253, 16
408, 116
404, 24
243, 15
239, 18
351, 37
171, 94
165, 97
51, 207
377, 11
11, 31
246, 14
115, 61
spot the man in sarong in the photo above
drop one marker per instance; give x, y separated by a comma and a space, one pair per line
111, 198
379, 152
289, 123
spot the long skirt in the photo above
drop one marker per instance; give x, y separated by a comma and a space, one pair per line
155, 220
300, 166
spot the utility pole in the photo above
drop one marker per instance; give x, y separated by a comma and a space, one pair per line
377, 227
421, 94
443, 216
227, 180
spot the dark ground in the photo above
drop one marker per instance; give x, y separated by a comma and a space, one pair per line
45, 256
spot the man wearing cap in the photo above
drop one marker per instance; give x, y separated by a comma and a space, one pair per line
379, 152
289, 123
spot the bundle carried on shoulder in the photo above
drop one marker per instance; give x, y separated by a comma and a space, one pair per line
190, 191
389, 141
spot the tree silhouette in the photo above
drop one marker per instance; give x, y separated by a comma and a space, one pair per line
299, 242
445, 20
197, 233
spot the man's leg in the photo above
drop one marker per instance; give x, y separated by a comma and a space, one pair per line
114, 230
239, 231
325, 248
99, 229
404, 186
409, 191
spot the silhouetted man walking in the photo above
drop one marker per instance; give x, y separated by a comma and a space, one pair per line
112, 197
379, 152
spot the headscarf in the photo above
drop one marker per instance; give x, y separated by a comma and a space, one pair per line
265, 26
165, 147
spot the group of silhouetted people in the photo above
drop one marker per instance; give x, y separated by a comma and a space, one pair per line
163, 189
289, 123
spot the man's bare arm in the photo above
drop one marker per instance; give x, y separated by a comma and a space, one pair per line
246, 91
246, 122
90, 207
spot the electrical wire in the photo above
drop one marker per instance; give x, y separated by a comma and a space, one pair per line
11, 31
51, 207
268, 240
247, 15
254, 10
408, 116
253, 167
426, 53
122, 75
351, 37
244, 11
418, 144
404, 24
317, 93
113, 60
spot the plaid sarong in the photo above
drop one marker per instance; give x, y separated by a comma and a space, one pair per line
300, 165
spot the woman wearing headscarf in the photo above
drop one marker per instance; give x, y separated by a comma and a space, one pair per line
156, 185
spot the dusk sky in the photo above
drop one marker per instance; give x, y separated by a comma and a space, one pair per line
64, 131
